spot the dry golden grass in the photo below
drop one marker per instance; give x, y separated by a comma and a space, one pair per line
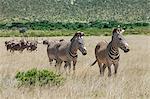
131, 82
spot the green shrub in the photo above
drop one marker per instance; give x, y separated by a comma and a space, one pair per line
47, 25
39, 77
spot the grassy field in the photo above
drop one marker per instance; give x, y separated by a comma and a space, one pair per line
131, 82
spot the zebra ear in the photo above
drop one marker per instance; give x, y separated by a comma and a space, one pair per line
115, 31
122, 31
77, 33
118, 30
82, 33
71, 39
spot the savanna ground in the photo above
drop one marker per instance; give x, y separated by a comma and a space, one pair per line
131, 82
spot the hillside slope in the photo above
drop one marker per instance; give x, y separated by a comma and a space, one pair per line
75, 10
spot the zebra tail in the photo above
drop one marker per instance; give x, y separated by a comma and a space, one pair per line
94, 63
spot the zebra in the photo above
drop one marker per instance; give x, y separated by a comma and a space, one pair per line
107, 54
66, 51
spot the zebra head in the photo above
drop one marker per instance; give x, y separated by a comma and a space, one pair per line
119, 40
78, 42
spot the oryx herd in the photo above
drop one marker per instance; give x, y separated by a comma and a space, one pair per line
106, 53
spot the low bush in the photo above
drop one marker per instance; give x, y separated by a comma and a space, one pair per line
36, 77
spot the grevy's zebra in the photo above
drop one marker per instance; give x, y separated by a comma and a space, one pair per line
107, 54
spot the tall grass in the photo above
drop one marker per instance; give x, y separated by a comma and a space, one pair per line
131, 82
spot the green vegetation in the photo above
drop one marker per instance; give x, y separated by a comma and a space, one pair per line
47, 29
46, 25
63, 32
39, 77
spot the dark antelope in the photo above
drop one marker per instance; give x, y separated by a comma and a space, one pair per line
107, 54
14, 45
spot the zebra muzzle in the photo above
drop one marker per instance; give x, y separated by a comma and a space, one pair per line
127, 50
85, 51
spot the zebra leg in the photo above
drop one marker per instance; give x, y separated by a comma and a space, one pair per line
74, 65
50, 61
104, 67
12, 51
58, 65
109, 70
69, 64
65, 66
100, 67
116, 67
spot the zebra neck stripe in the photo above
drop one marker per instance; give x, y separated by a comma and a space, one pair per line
113, 52
114, 58
71, 54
